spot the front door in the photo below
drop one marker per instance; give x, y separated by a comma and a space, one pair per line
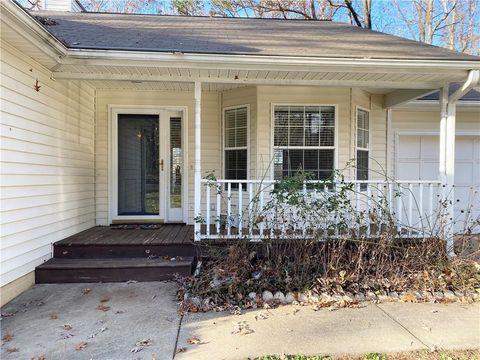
147, 166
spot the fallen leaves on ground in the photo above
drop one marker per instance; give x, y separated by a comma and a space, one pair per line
181, 350
242, 328
140, 345
11, 350
81, 345
193, 340
7, 337
102, 307
66, 335
104, 299
67, 327
41, 357
53, 316
103, 329
260, 316
409, 297
8, 314
86, 291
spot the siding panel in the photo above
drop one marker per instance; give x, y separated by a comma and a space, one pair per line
47, 162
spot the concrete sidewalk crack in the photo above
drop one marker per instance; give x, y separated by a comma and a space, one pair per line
404, 328
178, 335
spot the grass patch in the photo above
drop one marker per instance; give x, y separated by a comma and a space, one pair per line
414, 355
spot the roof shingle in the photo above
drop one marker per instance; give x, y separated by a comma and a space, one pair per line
214, 35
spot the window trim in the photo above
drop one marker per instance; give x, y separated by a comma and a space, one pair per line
247, 147
369, 149
272, 133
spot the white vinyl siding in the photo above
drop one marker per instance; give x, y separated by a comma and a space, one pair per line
47, 162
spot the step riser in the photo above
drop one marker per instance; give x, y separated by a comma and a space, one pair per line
52, 276
122, 251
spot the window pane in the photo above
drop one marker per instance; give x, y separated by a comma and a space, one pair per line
311, 160
241, 117
296, 136
281, 136
230, 138
325, 159
176, 161
328, 116
327, 137
281, 116
229, 119
241, 137
362, 165
296, 116
236, 164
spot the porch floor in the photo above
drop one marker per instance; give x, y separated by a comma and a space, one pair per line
169, 234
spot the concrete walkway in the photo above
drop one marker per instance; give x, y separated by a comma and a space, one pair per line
54, 320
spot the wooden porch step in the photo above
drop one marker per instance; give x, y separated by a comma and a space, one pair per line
111, 270
96, 251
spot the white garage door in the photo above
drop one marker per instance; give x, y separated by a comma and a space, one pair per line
417, 158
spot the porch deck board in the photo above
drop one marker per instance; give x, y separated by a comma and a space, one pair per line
171, 234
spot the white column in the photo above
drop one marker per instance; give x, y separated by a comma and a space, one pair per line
447, 163
198, 162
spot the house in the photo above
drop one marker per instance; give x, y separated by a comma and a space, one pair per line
115, 119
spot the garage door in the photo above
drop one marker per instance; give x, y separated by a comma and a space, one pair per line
417, 158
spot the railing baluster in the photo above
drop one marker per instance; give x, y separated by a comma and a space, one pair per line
357, 208
420, 205
250, 210
430, 202
229, 209
369, 206
390, 198
207, 222
262, 223
304, 225
240, 210
410, 209
399, 209
219, 209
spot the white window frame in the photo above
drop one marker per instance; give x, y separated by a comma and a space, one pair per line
224, 147
272, 134
369, 149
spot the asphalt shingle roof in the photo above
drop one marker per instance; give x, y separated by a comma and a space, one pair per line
214, 35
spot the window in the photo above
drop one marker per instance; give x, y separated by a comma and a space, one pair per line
236, 129
304, 140
363, 143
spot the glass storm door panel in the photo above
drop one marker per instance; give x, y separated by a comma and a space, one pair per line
138, 165
175, 200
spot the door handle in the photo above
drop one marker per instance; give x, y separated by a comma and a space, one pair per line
161, 164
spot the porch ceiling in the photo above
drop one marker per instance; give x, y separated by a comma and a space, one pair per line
160, 85
171, 77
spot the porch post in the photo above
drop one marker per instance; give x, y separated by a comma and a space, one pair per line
197, 162
447, 164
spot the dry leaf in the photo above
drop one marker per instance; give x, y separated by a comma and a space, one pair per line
66, 335
242, 328
7, 337
11, 350
144, 342
53, 316
181, 350
193, 340
86, 291
409, 297
103, 307
67, 327
7, 314
81, 345
41, 357
104, 299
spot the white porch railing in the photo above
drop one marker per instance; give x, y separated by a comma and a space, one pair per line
257, 210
